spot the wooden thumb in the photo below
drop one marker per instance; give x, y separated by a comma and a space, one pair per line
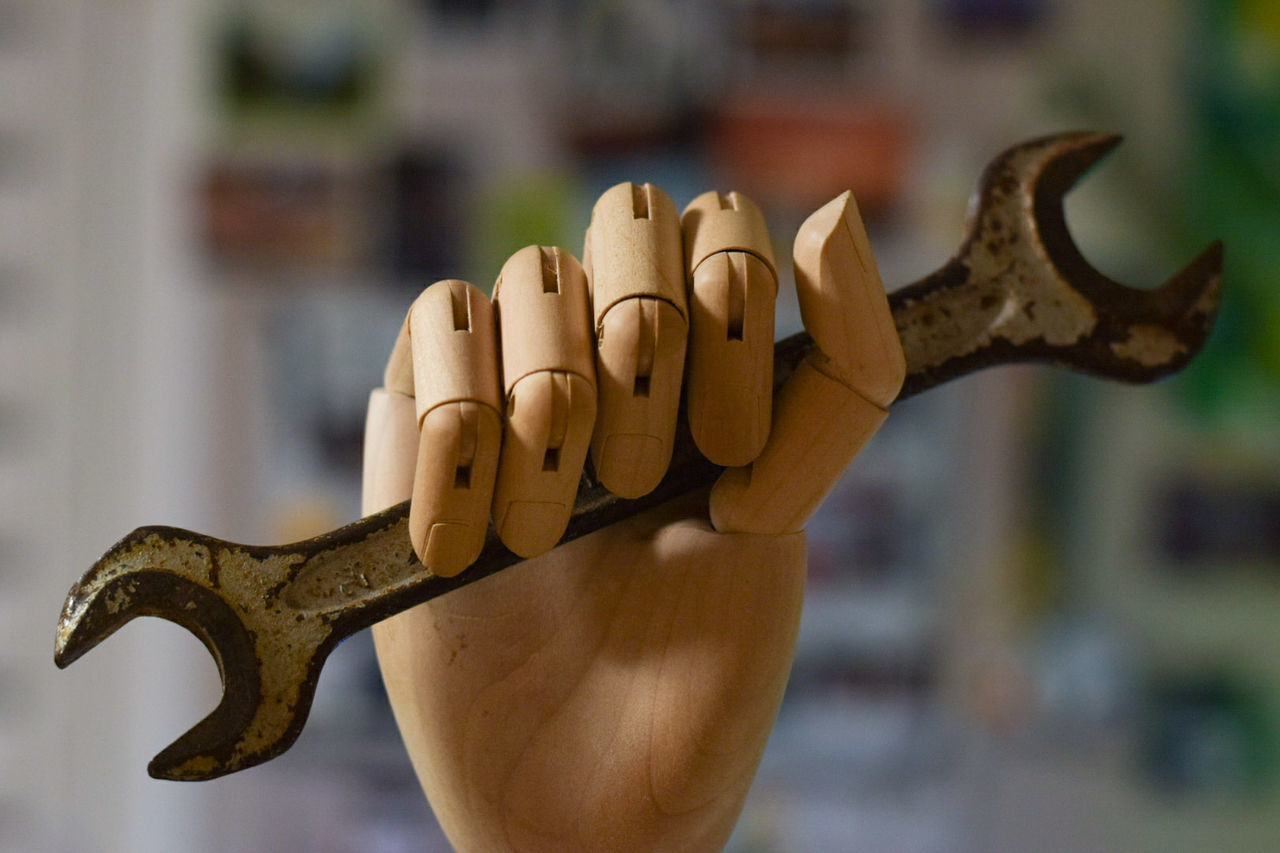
838, 397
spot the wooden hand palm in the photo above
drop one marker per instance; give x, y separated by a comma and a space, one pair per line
613, 694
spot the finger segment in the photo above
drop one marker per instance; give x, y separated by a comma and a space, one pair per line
843, 303
725, 222
635, 248
732, 291
398, 375
453, 485
636, 274
640, 359
819, 426
549, 381
453, 346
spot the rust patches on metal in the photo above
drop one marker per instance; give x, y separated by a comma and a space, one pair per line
1148, 345
1019, 289
334, 576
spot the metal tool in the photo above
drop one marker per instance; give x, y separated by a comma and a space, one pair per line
1017, 290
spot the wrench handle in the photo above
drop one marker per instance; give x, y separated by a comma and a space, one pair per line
360, 574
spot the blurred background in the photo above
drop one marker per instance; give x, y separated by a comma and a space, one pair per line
1043, 608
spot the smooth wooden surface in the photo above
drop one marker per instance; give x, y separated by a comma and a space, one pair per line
635, 265
453, 347
458, 448
391, 433
732, 291
634, 249
640, 362
616, 692
724, 222
843, 303
816, 423
548, 369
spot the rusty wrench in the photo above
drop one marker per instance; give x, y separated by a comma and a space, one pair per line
1017, 290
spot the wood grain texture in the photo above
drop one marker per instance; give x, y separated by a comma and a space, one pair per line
615, 694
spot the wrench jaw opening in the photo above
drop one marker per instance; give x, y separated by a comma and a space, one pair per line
143, 574
165, 573
1146, 335
1019, 289
1141, 335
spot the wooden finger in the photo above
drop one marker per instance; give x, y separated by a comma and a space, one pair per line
390, 449
398, 375
455, 375
836, 400
635, 270
548, 371
732, 291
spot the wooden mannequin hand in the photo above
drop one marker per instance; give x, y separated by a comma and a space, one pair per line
616, 692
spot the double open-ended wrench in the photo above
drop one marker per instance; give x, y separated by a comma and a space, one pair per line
1017, 290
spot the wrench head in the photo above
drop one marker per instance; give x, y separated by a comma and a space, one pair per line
1019, 288
186, 578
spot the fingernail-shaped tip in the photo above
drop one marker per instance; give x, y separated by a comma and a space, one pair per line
530, 528
733, 436
449, 548
820, 225
724, 505
631, 465
728, 453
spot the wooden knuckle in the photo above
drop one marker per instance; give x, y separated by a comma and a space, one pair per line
454, 347
635, 249
544, 315
718, 222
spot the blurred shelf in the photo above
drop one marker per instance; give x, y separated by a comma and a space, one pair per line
931, 818
853, 741
860, 622
24, 88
